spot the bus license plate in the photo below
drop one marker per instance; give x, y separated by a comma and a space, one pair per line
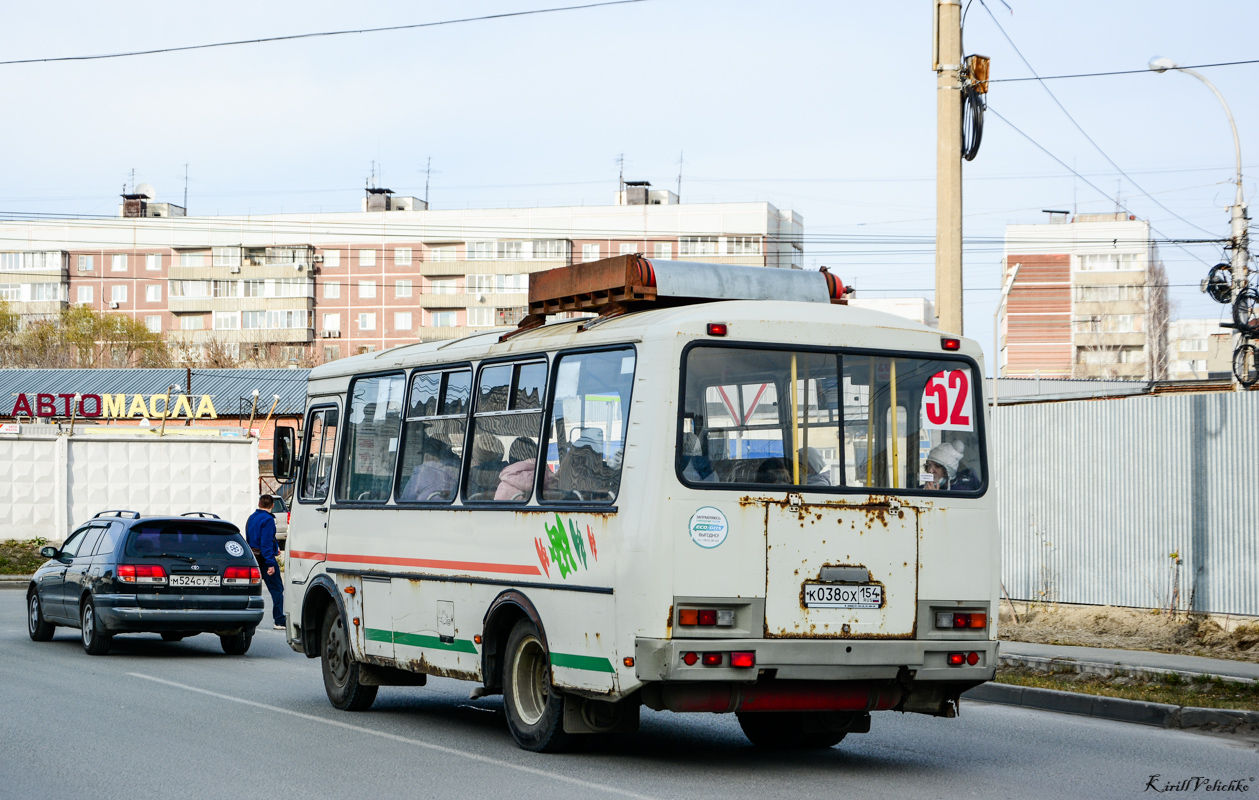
194, 580
829, 595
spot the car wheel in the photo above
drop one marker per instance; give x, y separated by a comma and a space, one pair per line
535, 708
96, 640
340, 670
39, 630
236, 645
784, 730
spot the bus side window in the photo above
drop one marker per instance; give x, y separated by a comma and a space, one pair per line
589, 419
432, 437
321, 437
365, 472
506, 425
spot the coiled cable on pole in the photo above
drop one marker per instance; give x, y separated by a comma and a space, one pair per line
972, 121
974, 101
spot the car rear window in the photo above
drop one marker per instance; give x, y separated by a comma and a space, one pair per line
185, 539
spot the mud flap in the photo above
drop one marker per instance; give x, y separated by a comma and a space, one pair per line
583, 715
376, 675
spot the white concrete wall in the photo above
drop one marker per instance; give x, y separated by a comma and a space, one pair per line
50, 484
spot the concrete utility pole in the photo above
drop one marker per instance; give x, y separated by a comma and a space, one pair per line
1240, 233
947, 63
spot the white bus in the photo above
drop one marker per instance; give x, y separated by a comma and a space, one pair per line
729, 492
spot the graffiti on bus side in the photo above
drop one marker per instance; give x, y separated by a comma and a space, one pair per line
565, 547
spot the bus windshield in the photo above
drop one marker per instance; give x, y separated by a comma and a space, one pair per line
828, 420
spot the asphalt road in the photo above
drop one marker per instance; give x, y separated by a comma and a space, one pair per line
159, 720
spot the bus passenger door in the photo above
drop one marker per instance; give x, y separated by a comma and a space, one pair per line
378, 617
838, 570
308, 522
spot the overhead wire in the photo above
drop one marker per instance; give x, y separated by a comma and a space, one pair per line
1078, 126
317, 34
1145, 71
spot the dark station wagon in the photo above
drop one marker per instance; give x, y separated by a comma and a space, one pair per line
124, 573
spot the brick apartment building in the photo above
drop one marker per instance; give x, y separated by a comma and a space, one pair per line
1089, 300
310, 288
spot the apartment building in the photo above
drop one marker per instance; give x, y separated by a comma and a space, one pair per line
309, 288
1199, 349
1089, 300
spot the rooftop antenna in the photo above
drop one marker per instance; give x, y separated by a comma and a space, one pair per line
1075, 192
185, 188
620, 162
1118, 186
133, 180
428, 171
680, 154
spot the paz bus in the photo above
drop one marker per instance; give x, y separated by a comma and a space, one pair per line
719, 489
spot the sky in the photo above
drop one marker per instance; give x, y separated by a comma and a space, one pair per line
826, 108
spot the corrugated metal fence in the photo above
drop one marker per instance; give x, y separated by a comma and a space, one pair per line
1095, 495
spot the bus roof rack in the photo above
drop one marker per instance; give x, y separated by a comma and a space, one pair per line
117, 513
613, 286
200, 515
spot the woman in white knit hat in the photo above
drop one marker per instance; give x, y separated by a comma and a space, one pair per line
944, 465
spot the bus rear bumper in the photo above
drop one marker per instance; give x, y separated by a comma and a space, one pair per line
817, 660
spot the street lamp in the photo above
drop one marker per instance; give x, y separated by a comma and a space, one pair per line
1240, 234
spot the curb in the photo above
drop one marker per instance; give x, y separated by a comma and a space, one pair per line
1105, 670
1159, 715
14, 581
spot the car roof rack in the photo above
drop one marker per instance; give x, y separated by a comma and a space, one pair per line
200, 515
613, 286
117, 513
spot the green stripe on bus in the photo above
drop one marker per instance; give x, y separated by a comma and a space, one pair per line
434, 643
419, 640
592, 663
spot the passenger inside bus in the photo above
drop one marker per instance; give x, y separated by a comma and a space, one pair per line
944, 462
813, 467
434, 478
582, 472
487, 467
698, 467
516, 480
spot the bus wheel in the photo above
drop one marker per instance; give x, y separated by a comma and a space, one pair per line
535, 708
340, 670
784, 730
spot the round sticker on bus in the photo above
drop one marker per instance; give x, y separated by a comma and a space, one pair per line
234, 549
708, 527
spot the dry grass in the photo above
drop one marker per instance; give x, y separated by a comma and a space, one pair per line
1198, 693
1133, 629
20, 558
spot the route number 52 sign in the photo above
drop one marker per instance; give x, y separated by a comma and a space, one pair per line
947, 403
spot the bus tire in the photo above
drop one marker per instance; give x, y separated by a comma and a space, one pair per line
340, 670
784, 730
535, 708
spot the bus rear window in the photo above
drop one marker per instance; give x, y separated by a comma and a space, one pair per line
828, 420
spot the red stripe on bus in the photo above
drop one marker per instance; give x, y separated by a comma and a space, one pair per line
509, 569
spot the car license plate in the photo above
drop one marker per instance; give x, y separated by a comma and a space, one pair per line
194, 580
831, 595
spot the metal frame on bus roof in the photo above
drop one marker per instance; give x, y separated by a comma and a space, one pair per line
614, 286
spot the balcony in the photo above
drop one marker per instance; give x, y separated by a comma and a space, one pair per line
204, 304
250, 336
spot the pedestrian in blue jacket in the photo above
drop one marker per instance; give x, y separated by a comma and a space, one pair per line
260, 534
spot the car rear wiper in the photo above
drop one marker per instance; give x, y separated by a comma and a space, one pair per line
189, 559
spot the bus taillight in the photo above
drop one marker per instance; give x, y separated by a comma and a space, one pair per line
970, 619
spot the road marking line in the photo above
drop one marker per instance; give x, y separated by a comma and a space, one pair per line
402, 739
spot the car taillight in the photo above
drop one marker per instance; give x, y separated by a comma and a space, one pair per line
690, 658
957, 659
242, 576
288, 517
970, 619
712, 659
141, 573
